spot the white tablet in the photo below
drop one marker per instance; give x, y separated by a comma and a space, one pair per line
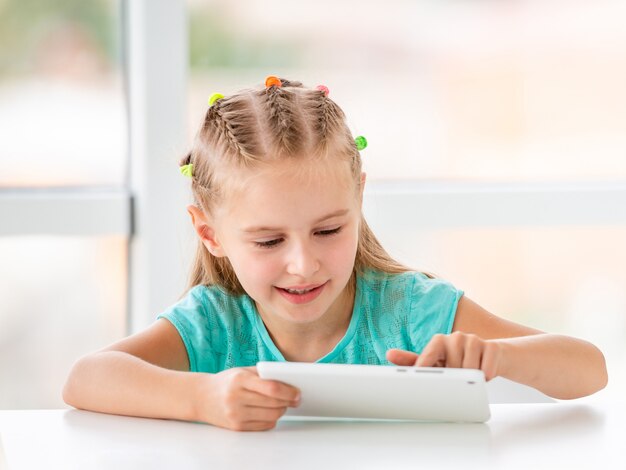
383, 392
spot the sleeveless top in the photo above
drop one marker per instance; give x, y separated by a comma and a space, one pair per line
400, 311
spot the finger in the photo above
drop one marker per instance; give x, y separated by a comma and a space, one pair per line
455, 349
401, 357
249, 398
434, 354
258, 425
255, 413
473, 354
273, 388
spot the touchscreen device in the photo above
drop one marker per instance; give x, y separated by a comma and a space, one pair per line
383, 392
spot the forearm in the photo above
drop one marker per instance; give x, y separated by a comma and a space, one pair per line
560, 366
119, 383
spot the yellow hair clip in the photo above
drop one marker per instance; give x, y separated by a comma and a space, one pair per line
214, 97
187, 170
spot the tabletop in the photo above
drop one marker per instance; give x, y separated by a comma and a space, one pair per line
584, 433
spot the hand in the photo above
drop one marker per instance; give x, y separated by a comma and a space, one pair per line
240, 400
461, 350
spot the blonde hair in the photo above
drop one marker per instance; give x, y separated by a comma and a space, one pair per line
264, 125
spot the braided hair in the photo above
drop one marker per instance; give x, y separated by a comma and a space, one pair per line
264, 125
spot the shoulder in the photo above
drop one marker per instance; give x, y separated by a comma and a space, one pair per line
417, 284
205, 318
413, 290
208, 305
207, 299
434, 299
427, 285
376, 280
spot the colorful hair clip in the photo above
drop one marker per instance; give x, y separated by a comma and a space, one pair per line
187, 170
272, 80
323, 88
214, 97
360, 142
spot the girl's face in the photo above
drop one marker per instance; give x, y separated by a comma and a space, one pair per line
291, 237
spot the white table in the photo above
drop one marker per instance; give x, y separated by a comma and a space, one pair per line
586, 434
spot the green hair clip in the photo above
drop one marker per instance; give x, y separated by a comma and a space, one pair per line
187, 170
360, 142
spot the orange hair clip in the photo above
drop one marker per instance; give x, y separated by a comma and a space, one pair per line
273, 81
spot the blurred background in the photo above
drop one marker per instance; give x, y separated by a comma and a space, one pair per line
448, 92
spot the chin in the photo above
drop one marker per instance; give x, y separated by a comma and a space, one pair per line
303, 315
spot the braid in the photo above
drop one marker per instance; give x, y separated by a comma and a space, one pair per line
283, 121
328, 119
290, 83
225, 129
233, 128
324, 122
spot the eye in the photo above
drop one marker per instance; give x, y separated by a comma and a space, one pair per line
269, 243
326, 233
277, 241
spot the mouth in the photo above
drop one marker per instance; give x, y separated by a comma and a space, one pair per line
301, 294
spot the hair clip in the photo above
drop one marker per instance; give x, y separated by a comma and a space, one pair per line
360, 142
323, 89
214, 97
187, 170
272, 80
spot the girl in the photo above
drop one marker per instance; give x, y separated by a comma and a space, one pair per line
287, 269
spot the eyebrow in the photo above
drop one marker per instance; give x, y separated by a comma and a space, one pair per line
277, 229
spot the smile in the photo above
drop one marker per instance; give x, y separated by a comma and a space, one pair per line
301, 296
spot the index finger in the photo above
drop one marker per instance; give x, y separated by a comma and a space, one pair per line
434, 354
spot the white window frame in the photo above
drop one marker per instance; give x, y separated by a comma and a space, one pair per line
150, 210
157, 75
412, 204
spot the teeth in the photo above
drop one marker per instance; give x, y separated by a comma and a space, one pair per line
296, 291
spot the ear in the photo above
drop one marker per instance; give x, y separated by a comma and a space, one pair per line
205, 231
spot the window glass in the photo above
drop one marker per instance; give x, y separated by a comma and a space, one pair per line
519, 90
62, 297
62, 107
566, 280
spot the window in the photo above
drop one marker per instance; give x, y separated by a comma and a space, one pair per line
62, 105
61, 297
495, 131
64, 204
454, 90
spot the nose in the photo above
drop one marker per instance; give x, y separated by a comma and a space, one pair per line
303, 260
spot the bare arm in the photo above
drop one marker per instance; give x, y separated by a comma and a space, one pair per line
560, 366
147, 375
142, 375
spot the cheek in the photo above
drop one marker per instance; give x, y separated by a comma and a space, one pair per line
343, 252
255, 268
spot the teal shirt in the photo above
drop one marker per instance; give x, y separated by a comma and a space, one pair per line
401, 311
